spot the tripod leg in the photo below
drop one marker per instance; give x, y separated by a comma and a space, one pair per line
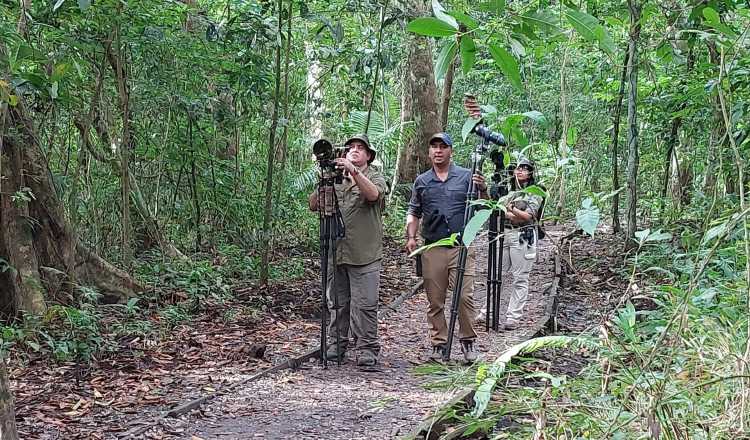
336, 306
324, 241
491, 271
456, 299
499, 269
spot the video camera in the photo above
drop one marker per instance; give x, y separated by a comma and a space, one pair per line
326, 154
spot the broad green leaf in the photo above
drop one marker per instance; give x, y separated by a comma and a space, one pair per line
714, 232
588, 217
659, 236
469, 125
57, 5
474, 225
642, 235
84, 4
517, 48
447, 241
665, 52
606, 43
445, 58
714, 19
431, 27
441, 15
536, 116
545, 21
488, 377
508, 65
590, 29
535, 190
582, 22
468, 53
465, 20
506, 158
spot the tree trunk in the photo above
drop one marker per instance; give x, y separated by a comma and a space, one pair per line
615, 147
718, 131
563, 145
116, 59
41, 251
419, 103
376, 74
267, 233
632, 73
445, 97
8, 429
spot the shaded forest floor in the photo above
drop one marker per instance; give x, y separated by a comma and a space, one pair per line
228, 342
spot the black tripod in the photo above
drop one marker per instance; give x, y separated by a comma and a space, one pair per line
499, 188
331, 230
477, 158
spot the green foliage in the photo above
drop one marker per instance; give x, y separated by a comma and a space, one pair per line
587, 217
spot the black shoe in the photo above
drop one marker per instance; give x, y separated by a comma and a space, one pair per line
367, 359
331, 354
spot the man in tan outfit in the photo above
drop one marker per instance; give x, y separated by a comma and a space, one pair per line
438, 202
358, 255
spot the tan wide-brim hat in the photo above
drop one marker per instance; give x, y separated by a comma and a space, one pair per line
365, 140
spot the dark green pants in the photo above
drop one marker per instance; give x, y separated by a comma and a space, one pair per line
356, 288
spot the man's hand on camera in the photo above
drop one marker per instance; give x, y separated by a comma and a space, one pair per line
411, 244
345, 164
479, 182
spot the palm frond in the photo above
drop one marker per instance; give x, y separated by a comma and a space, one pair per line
488, 377
306, 179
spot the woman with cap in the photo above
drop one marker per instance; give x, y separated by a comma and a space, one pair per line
519, 241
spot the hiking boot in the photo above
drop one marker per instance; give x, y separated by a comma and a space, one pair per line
367, 359
331, 353
437, 353
467, 348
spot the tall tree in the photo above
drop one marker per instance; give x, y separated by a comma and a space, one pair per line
419, 101
267, 233
632, 72
615, 141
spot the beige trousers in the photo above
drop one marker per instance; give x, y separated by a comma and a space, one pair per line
439, 270
518, 258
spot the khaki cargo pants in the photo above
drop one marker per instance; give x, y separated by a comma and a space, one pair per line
439, 270
518, 258
357, 290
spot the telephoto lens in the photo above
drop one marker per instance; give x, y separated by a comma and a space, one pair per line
488, 135
323, 150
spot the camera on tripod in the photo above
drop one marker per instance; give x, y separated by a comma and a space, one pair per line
326, 155
488, 135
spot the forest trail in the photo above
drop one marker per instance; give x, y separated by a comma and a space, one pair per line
345, 402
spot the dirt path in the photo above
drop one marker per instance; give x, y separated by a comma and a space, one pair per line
344, 402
